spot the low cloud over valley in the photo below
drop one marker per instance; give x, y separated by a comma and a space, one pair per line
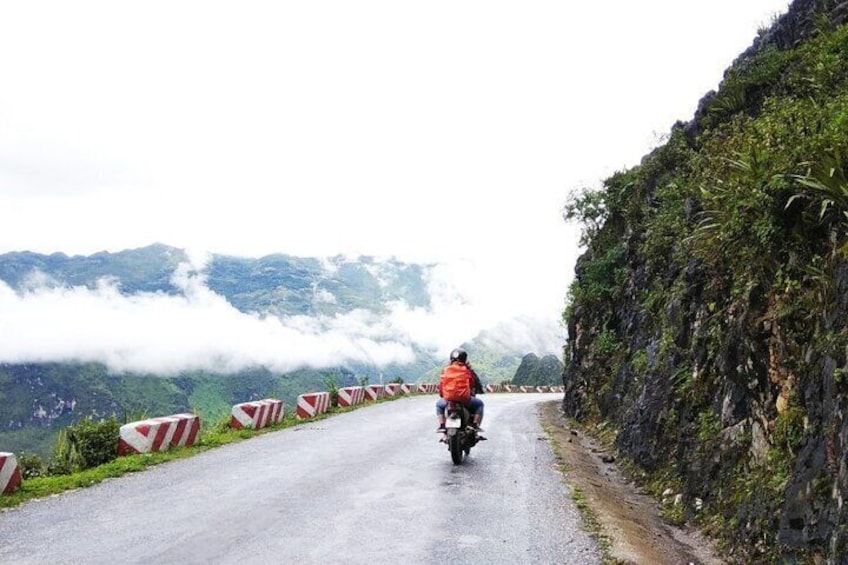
196, 328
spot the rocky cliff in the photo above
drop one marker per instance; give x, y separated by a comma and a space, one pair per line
535, 370
708, 319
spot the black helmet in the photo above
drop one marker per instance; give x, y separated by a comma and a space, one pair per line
458, 354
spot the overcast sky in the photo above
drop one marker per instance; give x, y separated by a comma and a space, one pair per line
429, 131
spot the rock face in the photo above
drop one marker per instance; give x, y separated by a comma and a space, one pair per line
709, 320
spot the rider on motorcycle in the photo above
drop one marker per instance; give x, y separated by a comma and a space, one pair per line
459, 360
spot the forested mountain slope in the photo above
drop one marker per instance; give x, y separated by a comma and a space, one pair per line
276, 284
40, 395
708, 320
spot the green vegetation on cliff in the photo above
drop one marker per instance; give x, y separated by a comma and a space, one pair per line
708, 319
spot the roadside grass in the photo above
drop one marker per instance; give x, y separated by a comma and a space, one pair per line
593, 525
211, 436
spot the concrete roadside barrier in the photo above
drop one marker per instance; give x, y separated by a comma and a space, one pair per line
257, 414
312, 404
186, 431
543, 389
351, 396
407, 388
276, 410
264, 418
428, 388
374, 392
510, 388
250, 415
392, 389
146, 436
494, 388
10, 473
527, 388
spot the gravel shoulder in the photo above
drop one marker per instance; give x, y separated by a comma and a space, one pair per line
626, 518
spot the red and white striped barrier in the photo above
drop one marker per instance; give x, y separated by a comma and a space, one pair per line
510, 388
557, 389
392, 389
276, 411
351, 396
250, 415
186, 431
374, 392
494, 388
407, 388
146, 436
257, 414
10, 473
264, 417
312, 404
428, 388
527, 388
543, 389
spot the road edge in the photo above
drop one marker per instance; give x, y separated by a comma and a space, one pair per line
626, 523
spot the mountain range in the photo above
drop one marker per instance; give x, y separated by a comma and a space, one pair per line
322, 299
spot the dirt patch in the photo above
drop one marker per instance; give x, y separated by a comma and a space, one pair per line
625, 517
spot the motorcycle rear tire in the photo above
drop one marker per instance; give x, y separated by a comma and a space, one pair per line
455, 449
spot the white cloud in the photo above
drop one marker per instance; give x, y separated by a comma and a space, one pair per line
325, 296
429, 131
199, 329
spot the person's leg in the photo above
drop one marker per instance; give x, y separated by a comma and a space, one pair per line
476, 405
441, 404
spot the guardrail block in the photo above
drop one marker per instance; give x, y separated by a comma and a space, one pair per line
351, 396
312, 404
10, 473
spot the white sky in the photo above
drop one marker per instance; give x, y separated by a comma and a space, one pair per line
431, 131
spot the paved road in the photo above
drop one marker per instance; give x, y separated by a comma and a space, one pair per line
370, 486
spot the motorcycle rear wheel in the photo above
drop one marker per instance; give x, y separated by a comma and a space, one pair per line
455, 449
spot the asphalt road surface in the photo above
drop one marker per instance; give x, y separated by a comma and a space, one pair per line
369, 486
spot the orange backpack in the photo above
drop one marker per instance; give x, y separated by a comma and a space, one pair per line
456, 383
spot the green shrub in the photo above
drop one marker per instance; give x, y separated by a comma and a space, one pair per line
31, 466
97, 443
333, 388
65, 457
606, 344
84, 445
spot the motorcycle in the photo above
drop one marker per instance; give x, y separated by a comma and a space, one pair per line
459, 434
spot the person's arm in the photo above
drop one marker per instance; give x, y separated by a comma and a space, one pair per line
477, 385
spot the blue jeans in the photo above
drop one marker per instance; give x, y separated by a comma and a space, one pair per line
475, 406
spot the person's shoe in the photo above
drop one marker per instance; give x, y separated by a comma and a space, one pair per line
477, 428
441, 429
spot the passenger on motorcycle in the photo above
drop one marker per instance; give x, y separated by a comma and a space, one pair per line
459, 383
